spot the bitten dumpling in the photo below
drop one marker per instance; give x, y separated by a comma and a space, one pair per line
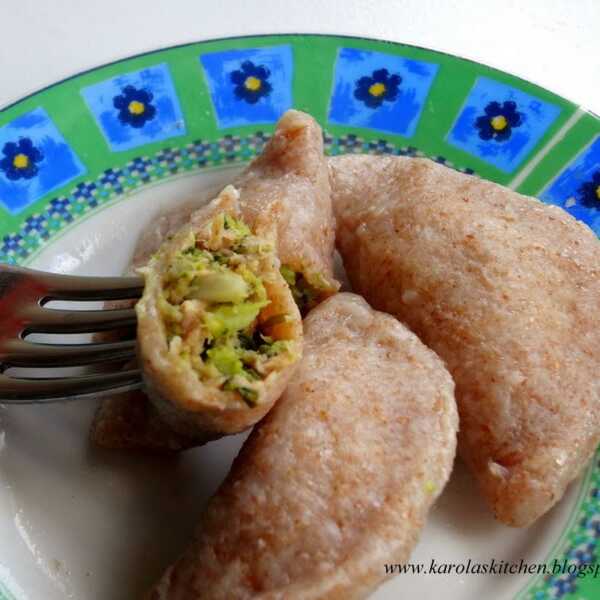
285, 189
338, 478
219, 333
506, 290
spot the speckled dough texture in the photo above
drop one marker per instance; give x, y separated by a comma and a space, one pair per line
187, 404
286, 188
128, 421
507, 291
288, 184
338, 478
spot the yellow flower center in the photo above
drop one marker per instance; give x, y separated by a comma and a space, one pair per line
253, 84
377, 89
499, 123
598, 192
136, 108
21, 161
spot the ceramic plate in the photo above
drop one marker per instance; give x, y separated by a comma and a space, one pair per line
86, 163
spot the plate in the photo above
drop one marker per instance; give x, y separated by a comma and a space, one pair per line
85, 164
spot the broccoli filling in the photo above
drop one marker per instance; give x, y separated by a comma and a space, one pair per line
212, 297
305, 293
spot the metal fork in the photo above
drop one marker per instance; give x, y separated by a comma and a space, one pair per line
23, 294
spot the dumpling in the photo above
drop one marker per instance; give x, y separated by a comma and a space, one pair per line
288, 185
218, 331
285, 189
338, 478
507, 291
128, 421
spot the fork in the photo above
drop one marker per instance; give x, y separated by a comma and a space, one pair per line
23, 294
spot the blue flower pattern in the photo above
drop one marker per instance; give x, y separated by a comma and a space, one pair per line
575, 189
20, 159
379, 91
251, 82
501, 124
249, 86
135, 106
380, 87
499, 121
589, 192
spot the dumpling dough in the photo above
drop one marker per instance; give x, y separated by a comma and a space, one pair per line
507, 291
285, 188
218, 332
338, 478
288, 185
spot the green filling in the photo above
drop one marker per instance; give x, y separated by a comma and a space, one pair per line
211, 300
239, 227
226, 359
228, 318
306, 294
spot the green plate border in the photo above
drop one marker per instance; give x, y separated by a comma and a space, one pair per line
205, 146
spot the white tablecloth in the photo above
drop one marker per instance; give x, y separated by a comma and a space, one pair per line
554, 43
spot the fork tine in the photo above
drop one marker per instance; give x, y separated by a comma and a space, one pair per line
73, 287
19, 353
35, 319
32, 391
